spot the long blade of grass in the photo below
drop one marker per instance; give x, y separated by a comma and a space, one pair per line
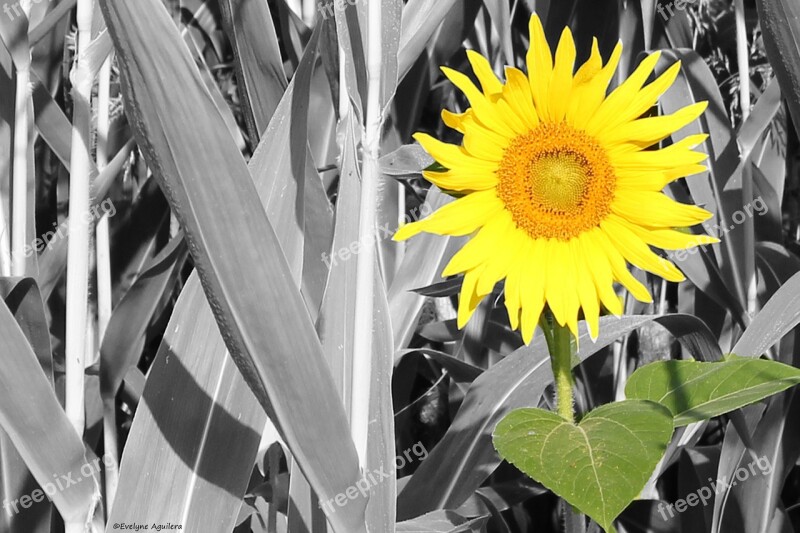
279, 354
259, 68
24, 301
780, 22
188, 461
28, 404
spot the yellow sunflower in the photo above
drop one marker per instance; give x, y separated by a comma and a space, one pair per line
558, 186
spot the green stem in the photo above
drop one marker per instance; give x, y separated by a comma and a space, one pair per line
562, 347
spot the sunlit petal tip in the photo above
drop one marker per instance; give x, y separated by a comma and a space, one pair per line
593, 325
535, 25
513, 319
643, 296
572, 324
451, 74
704, 214
451, 269
654, 57
422, 137
696, 140
697, 169
529, 331
567, 36
409, 230
473, 55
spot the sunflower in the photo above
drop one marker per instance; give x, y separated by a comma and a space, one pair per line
558, 184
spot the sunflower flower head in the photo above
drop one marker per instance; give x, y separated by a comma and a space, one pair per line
558, 186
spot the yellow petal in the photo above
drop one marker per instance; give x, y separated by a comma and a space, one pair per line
656, 210
517, 92
654, 180
532, 288
620, 268
468, 300
457, 121
648, 131
594, 92
451, 156
540, 66
479, 248
461, 217
582, 87
510, 117
505, 248
587, 292
561, 83
484, 110
483, 146
462, 180
621, 97
590, 69
560, 287
645, 99
637, 252
513, 286
601, 272
483, 71
669, 239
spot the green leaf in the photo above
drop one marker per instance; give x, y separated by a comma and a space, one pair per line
599, 465
464, 457
695, 391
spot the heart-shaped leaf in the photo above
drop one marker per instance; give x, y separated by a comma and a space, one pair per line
599, 465
695, 391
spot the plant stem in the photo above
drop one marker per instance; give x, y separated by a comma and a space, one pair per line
104, 300
367, 259
79, 204
19, 203
562, 347
743, 60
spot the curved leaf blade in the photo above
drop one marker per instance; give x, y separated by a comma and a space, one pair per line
694, 391
278, 354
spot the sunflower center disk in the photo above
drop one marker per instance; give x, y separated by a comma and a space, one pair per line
557, 182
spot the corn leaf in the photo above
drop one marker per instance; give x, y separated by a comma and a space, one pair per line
260, 312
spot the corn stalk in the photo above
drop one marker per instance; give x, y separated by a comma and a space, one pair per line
366, 266
79, 204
